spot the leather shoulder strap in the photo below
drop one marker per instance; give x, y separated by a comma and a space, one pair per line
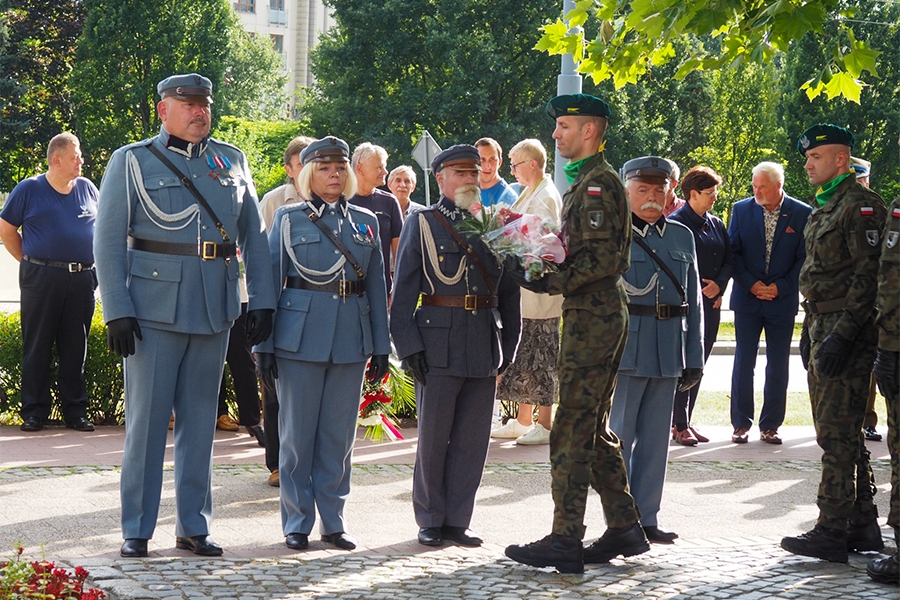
661, 264
337, 242
471, 253
192, 189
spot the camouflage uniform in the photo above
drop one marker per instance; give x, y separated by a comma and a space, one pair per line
583, 451
888, 323
842, 250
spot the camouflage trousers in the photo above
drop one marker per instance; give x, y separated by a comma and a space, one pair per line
584, 452
893, 433
847, 486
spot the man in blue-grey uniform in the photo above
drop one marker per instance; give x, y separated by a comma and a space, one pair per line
464, 333
664, 351
173, 210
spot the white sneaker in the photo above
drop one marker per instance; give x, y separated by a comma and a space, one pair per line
538, 436
512, 430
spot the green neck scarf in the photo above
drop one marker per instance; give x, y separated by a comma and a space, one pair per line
572, 169
824, 193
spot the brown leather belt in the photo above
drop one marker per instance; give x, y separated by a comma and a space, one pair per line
660, 311
468, 302
342, 287
823, 307
205, 250
73, 267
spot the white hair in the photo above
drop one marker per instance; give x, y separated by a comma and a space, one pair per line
364, 151
773, 170
402, 169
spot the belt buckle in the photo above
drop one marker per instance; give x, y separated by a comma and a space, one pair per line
208, 251
344, 288
470, 302
74, 267
663, 312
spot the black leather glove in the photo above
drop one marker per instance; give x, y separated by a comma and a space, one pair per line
417, 366
120, 334
259, 325
504, 365
378, 366
690, 377
886, 365
267, 369
805, 345
832, 355
517, 273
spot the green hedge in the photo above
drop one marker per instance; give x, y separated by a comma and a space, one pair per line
102, 371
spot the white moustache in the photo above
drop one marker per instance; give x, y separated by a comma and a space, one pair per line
467, 195
649, 205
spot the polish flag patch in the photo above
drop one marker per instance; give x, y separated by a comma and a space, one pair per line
866, 211
896, 213
594, 190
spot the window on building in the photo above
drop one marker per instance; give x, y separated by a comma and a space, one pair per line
248, 6
278, 43
276, 4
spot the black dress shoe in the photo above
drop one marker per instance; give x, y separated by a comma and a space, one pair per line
658, 536
339, 540
461, 535
257, 432
617, 541
431, 536
134, 548
202, 545
81, 424
32, 424
296, 541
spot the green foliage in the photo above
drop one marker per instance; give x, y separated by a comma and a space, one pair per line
102, 374
745, 129
263, 142
128, 46
37, 41
634, 35
461, 69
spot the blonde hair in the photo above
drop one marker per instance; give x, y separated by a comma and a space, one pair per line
531, 149
305, 177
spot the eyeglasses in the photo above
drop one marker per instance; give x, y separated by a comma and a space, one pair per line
513, 167
711, 194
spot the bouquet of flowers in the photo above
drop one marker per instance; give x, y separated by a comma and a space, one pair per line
377, 396
531, 239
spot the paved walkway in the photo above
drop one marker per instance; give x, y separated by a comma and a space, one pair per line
731, 504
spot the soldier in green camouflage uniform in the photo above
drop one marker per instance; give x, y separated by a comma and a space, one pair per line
584, 452
887, 570
838, 280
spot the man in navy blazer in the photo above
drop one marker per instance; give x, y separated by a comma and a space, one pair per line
766, 234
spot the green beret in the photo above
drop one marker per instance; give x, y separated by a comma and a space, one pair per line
578, 104
824, 133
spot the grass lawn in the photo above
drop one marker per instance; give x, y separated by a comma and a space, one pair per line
726, 332
714, 408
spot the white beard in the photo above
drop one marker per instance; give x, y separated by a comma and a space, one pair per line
467, 195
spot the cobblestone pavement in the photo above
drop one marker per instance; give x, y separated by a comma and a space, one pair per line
730, 515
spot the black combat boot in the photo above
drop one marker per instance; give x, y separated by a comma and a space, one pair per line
560, 551
617, 541
864, 537
886, 570
821, 542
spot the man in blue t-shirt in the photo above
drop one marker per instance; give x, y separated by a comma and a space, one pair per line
369, 164
56, 213
494, 190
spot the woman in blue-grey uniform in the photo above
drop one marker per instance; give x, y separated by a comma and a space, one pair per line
331, 317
